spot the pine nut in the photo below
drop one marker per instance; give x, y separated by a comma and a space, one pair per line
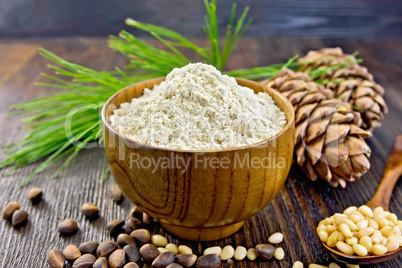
321, 227
159, 240
277, 238
378, 210
384, 241
227, 252
345, 230
396, 230
366, 211
345, 248
351, 241
350, 210
323, 236
397, 238
392, 245
240, 253
184, 249
386, 231
376, 237
172, 248
279, 254
362, 224
350, 224
354, 218
186, 260
213, 250
332, 239
382, 223
327, 221
333, 265
338, 218
329, 229
366, 242
379, 216
392, 218
35, 195
373, 224
340, 237
379, 250
298, 264
360, 250
252, 254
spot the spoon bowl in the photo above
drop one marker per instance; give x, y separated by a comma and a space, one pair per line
353, 259
381, 198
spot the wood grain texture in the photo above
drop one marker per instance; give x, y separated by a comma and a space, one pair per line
16, 57
296, 210
199, 195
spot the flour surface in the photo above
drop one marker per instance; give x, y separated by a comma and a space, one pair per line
199, 108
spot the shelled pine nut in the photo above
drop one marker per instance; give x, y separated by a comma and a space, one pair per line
251, 254
275, 238
360, 250
172, 248
279, 254
184, 249
362, 231
227, 252
159, 240
240, 253
213, 250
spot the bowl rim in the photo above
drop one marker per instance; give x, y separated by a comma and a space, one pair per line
288, 125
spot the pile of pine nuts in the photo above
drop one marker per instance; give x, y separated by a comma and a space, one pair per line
362, 231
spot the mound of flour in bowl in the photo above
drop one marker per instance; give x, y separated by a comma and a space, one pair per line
198, 108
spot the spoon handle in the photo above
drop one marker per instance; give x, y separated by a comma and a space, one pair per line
392, 172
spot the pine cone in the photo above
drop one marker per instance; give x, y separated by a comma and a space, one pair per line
352, 83
329, 143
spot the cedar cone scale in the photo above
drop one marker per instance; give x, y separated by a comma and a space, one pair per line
329, 142
352, 83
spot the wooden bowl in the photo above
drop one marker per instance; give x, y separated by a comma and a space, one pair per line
215, 191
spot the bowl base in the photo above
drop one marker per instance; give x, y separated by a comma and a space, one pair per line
202, 234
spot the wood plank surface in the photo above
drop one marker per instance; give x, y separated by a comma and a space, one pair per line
295, 212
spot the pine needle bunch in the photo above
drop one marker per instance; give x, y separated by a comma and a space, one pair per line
145, 56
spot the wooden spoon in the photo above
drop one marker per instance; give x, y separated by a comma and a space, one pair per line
381, 198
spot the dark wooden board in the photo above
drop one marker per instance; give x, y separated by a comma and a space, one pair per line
296, 210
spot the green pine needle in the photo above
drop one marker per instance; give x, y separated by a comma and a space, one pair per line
316, 74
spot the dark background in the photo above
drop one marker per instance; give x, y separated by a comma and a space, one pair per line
320, 18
